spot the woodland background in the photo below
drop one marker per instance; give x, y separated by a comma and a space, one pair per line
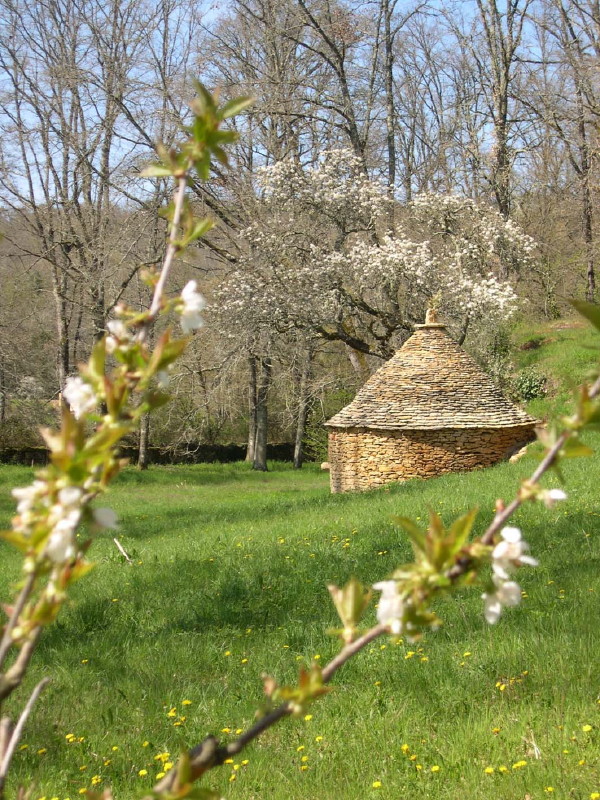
495, 101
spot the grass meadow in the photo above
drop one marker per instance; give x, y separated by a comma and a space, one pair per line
229, 581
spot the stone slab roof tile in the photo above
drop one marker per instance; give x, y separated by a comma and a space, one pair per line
430, 383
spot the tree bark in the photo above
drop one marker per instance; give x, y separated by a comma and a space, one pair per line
303, 405
262, 392
251, 410
143, 452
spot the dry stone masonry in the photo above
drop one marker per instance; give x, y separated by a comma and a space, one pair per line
428, 410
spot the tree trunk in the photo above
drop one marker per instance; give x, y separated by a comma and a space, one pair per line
586, 199
262, 391
143, 452
251, 410
303, 404
390, 111
62, 328
2, 395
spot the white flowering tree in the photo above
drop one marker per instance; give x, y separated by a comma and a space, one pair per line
320, 257
83, 460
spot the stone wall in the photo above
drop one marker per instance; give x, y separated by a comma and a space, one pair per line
363, 459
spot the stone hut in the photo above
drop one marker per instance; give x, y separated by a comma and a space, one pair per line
430, 409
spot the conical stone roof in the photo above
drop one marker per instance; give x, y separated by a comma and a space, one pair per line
431, 383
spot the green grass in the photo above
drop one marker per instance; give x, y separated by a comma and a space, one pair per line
230, 561
567, 351
229, 582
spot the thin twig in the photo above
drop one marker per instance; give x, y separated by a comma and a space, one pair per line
122, 550
208, 754
546, 463
18, 729
6, 643
169, 256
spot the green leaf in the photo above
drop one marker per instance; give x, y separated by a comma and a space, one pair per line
574, 449
201, 227
156, 171
16, 539
588, 310
416, 534
235, 106
461, 528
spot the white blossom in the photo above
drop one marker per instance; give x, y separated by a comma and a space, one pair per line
80, 396
61, 546
390, 610
29, 495
120, 334
105, 517
193, 303
511, 552
163, 379
508, 593
553, 496
70, 496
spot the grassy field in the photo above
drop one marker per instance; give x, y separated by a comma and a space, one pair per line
229, 581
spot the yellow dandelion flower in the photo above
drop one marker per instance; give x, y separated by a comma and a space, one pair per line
85, 660
549, 789
106, 762
317, 656
318, 738
232, 777
82, 767
405, 748
419, 767
238, 731
586, 728
42, 750
236, 767
245, 762
23, 747
227, 652
167, 766
145, 744
114, 748
172, 713
142, 772
186, 702
83, 790
304, 767
595, 796
159, 775
489, 770
308, 717
503, 768
424, 659
519, 764
228, 761
466, 654
413, 757
435, 768
376, 784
